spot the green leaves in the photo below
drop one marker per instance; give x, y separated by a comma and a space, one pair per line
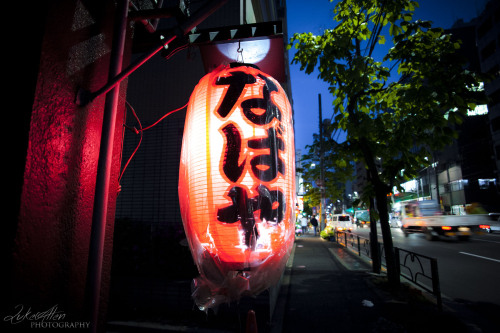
395, 107
395, 30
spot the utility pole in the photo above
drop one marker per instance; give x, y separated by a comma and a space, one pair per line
102, 189
322, 222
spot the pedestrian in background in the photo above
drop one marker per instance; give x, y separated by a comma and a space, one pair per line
314, 223
303, 224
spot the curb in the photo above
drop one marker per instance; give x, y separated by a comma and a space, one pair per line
279, 309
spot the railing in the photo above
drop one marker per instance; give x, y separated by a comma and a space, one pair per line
360, 244
416, 267
419, 269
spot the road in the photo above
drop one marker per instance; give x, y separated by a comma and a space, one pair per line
468, 270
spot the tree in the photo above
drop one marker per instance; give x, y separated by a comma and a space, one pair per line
397, 104
337, 167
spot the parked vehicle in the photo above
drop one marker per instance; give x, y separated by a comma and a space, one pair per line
426, 217
342, 222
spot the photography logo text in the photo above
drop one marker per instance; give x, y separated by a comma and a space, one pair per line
50, 318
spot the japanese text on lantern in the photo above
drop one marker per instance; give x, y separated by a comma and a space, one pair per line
259, 155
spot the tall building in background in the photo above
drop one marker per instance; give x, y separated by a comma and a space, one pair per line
149, 243
467, 171
488, 46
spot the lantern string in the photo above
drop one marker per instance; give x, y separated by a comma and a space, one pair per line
139, 131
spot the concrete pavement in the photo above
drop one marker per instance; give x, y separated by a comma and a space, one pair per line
332, 290
324, 293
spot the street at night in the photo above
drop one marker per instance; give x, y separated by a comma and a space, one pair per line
468, 270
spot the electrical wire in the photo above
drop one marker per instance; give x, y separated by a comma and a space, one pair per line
138, 145
166, 115
140, 131
176, 50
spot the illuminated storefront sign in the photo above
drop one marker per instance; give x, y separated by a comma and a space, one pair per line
237, 182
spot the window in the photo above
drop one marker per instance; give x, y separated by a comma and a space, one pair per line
495, 98
484, 184
495, 70
458, 185
495, 124
484, 28
488, 50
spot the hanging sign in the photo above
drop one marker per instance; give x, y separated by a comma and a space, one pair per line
237, 183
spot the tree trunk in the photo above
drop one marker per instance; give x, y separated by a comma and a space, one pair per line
374, 248
381, 191
390, 258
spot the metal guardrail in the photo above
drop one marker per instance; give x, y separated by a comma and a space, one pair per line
416, 268
419, 269
360, 244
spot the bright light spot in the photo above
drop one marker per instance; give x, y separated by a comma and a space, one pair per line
251, 51
478, 111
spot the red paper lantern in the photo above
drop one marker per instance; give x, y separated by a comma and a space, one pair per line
237, 182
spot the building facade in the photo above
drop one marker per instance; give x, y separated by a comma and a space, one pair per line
488, 47
467, 170
56, 162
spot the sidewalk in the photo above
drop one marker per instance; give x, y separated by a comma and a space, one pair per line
326, 288
329, 289
326, 294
